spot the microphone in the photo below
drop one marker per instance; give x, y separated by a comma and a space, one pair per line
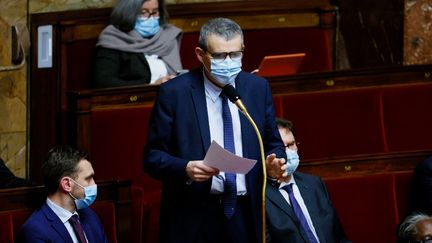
234, 97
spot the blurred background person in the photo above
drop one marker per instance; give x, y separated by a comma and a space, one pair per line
138, 47
416, 228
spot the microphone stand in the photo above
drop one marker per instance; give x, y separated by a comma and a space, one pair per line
233, 96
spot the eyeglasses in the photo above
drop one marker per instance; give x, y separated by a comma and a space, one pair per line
221, 56
292, 144
427, 239
145, 14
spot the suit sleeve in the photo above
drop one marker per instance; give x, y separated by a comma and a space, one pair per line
157, 161
272, 140
31, 234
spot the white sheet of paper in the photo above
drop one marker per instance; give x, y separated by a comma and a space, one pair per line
225, 161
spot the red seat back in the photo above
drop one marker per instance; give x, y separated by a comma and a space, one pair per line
6, 227
106, 213
366, 207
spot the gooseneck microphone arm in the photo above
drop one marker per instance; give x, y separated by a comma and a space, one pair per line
234, 97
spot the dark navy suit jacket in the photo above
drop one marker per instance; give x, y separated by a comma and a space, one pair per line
282, 224
179, 132
45, 226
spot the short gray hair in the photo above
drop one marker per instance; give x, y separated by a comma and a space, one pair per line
221, 27
407, 229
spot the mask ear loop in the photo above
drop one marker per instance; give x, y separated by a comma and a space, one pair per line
70, 194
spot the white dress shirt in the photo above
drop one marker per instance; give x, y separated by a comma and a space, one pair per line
157, 66
64, 216
214, 111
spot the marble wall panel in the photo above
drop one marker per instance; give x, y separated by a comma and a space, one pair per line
13, 88
418, 32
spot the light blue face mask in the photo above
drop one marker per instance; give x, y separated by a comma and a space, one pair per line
293, 161
226, 71
90, 193
147, 27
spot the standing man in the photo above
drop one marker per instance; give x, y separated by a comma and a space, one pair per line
299, 209
200, 203
66, 216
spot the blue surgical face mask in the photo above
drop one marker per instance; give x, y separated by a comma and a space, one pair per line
292, 161
147, 27
90, 193
226, 71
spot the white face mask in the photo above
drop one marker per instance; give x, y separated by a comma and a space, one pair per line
293, 160
226, 71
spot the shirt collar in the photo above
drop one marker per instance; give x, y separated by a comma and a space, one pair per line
291, 181
62, 213
211, 90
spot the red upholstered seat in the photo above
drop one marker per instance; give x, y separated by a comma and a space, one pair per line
19, 218
403, 182
145, 215
6, 228
337, 123
106, 213
118, 138
278, 106
408, 117
366, 207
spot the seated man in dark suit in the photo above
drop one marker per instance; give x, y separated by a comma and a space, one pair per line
9, 180
66, 216
422, 187
299, 208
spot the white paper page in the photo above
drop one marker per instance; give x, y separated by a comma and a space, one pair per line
225, 161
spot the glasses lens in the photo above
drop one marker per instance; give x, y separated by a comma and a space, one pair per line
236, 55
219, 57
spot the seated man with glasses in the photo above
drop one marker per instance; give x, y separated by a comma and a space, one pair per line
416, 228
138, 47
298, 207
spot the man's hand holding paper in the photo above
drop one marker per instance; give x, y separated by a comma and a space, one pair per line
225, 161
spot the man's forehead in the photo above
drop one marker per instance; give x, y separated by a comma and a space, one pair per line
84, 166
220, 44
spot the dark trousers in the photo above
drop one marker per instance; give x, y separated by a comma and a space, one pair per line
219, 229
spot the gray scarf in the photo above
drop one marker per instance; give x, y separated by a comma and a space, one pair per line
165, 44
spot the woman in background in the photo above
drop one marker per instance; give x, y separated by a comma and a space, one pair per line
138, 47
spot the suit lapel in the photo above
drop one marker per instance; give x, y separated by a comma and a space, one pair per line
55, 223
244, 122
200, 105
279, 201
87, 228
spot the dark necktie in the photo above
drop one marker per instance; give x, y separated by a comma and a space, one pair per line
299, 213
77, 227
230, 186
